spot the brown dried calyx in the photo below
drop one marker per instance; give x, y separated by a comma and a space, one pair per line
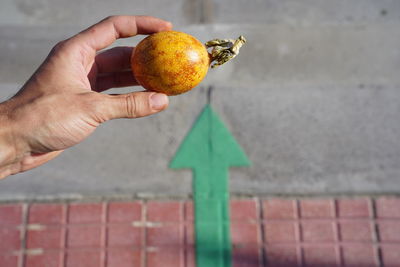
224, 50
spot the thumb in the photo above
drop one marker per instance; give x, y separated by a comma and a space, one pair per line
133, 105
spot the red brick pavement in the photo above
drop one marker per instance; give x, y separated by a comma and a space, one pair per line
265, 232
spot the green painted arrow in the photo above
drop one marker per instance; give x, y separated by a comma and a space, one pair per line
209, 150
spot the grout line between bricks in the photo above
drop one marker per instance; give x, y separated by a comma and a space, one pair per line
338, 247
104, 241
37, 251
329, 243
144, 235
142, 196
299, 237
183, 228
21, 260
185, 237
63, 240
376, 239
339, 220
38, 227
260, 214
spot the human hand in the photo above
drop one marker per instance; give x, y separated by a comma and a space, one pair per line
62, 103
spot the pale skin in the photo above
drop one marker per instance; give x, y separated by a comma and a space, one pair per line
63, 102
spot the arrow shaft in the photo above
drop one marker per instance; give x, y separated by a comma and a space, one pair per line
212, 225
213, 244
211, 182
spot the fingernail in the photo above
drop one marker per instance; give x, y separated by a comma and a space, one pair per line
158, 101
169, 25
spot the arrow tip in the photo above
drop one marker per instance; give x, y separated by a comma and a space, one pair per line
209, 140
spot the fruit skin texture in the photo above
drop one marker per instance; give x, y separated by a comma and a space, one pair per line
170, 62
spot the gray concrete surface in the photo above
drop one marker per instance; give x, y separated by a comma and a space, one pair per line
304, 12
313, 98
83, 13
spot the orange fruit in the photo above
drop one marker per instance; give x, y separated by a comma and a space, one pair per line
170, 62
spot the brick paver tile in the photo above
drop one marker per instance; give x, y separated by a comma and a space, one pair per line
282, 255
389, 231
9, 239
320, 256
388, 207
168, 211
124, 211
356, 231
46, 214
279, 209
124, 235
169, 257
246, 256
391, 255
317, 208
280, 232
46, 238
318, 231
45, 259
85, 213
354, 208
243, 210
9, 260
10, 214
83, 258
124, 257
169, 235
245, 233
364, 255
84, 236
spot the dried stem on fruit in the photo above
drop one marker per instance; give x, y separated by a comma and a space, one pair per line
224, 50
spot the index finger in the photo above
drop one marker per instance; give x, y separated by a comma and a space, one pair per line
104, 33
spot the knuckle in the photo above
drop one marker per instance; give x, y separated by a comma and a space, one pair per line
92, 31
112, 18
132, 104
60, 46
106, 19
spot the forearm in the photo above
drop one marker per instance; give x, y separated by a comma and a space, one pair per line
7, 144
